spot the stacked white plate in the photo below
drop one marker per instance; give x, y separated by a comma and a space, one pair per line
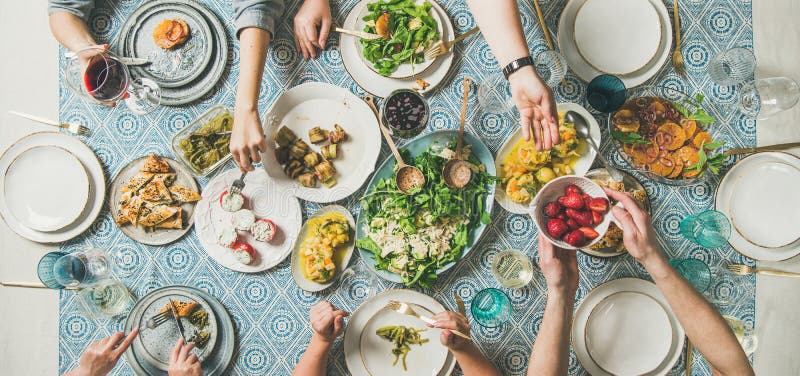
760, 197
50, 193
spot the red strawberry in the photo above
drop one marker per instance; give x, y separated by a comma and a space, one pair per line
562, 215
597, 217
573, 224
572, 188
598, 204
575, 238
571, 200
584, 218
552, 209
556, 228
589, 232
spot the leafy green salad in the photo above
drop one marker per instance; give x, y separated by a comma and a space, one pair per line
415, 235
407, 29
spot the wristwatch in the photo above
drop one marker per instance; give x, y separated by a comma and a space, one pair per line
516, 65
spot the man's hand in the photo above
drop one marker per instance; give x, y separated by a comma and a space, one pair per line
559, 267
100, 357
181, 363
448, 321
247, 139
537, 107
312, 23
637, 229
327, 321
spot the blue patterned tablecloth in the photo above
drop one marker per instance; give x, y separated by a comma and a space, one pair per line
270, 312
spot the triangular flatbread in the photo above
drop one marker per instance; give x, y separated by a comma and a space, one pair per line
137, 182
167, 178
184, 194
156, 191
158, 215
131, 209
176, 222
155, 164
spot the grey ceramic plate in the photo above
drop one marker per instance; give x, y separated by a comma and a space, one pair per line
163, 235
156, 344
219, 359
174, 67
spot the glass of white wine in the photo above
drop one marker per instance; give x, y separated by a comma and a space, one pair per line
106, 299
512, 268
744, 333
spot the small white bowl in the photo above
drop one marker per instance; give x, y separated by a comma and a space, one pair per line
554, 189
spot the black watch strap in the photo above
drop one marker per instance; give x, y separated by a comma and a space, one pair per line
516, 65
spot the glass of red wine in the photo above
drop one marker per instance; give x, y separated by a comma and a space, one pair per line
97, 75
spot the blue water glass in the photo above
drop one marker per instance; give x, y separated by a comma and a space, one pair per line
45, 270
491, 308
711, 228
693, 270
606, 93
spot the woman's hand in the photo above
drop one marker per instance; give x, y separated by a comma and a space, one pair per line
312, 23
559, 267
448, 321
100, 357
537, 107
181, 363
247, 139
327, 321
637, 230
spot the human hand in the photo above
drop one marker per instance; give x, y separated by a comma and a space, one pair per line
637, 229
448, 321
537, 107
327, 321
247, 139
100, 357
559, 267
181, 363
85, 55
313, 15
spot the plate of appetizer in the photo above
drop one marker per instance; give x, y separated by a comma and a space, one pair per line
248, 232
203, 145
323, 248
407, 28
423, 78
663, 134
523, 170
411, 239
95, 184
153, 200
322, 142
368, 349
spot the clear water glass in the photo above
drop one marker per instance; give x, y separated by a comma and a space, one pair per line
105, 299
732, 67
494, 94
744, 333
82, 268
768, 96
512, 268
693, 270
711, 228
356, 284
46, 269
491, 308
551, 66
606, 93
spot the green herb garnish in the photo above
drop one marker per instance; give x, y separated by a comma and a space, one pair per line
713, 163
631, 138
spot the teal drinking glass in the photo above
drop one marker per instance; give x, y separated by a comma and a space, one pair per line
46, 270
693, 270
491, 308
606, 93
711, 228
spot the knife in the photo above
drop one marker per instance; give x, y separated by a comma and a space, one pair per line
177, 319
134, 61
776, 147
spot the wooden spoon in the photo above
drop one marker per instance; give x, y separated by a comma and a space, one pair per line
456, 171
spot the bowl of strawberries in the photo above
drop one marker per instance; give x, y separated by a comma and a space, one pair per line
571, 212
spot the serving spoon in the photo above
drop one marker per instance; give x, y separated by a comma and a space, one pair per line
407, 178
582, 129
456, 171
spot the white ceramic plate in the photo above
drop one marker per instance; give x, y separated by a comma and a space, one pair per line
581, 166
320, 104
160, 236
97, 186
267, 201
628, 333
596, 297
46, 187
381, 86
584, 70
359, 319
617, 36
403, 70
742, 179
297, 267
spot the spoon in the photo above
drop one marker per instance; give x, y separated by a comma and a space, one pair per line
583, 132
407, 177
457, 172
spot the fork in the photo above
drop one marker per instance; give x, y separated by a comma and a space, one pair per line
405, 309
157, 320
359, 34
74, 128
442, 47
238, 185
677, 57
745, 270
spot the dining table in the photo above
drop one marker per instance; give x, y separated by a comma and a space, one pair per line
269, 311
